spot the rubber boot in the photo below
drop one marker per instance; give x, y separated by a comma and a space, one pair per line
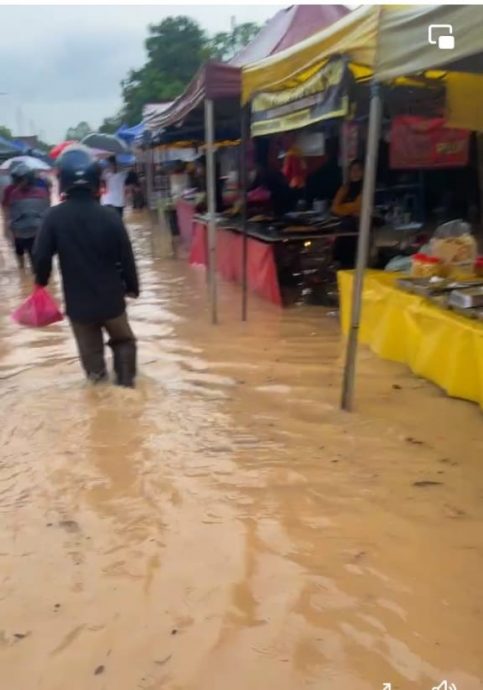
124, 355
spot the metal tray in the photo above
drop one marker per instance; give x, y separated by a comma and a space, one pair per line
469, 298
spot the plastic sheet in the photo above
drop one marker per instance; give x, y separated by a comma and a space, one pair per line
436, 344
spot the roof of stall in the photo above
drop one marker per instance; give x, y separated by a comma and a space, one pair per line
152, 114
384, 41
288, 27
222, 82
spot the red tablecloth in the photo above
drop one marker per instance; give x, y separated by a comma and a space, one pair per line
185, 212
261, 269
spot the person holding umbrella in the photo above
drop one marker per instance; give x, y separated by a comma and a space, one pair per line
25, 206
116, 183
97, 266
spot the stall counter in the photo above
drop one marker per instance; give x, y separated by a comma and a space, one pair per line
262, 276
435, 343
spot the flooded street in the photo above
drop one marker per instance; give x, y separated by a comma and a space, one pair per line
225, 526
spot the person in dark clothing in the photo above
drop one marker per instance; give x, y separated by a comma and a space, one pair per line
347, 206
132, 182
97, 265
26, 207
219, 184
283, 198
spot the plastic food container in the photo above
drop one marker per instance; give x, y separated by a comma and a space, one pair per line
479, 266
424, 266
417, 265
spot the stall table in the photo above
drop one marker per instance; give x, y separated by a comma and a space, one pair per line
185, 212
265, 254
435, 343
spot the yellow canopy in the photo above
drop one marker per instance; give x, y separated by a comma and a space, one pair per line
354, 36
384, 41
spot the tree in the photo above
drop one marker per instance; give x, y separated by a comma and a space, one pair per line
78, 132
5, 132
176, 48
224, 45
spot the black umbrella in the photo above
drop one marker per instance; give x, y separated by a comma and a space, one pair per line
105, 142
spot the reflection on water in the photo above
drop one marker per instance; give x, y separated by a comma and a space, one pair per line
224, 525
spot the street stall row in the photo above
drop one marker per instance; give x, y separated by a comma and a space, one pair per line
209, 112
385, 49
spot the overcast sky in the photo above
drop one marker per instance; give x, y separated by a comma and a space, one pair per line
63, 64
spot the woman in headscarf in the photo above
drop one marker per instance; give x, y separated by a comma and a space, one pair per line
347, 201
347, 205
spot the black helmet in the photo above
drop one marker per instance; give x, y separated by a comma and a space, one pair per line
78, 169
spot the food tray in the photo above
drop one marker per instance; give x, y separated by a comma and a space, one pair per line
469, 298
427, 287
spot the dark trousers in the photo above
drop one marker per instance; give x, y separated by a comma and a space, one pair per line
23, 245
90, 343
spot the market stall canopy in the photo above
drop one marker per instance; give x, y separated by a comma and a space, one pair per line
7, 147
152, 114
288, 27
131, 135
214, 80
381, 41
221, 82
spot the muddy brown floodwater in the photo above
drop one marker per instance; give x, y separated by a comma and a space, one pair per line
225, 526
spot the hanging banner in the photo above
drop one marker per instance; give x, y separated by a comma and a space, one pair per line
323, 96
425, 143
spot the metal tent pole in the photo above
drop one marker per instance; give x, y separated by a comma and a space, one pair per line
245, 115
375, 117
210, 190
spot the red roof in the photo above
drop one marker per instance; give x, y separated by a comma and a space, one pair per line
288, 27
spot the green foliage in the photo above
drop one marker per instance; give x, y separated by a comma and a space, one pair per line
176, 48
225, 45
78, 132
5, 132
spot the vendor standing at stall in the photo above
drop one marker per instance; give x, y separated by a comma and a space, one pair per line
283, 198
200, 178
347, 206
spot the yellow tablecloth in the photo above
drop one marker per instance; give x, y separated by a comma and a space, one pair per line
438, 345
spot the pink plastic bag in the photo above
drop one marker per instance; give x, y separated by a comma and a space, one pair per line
259, 195
40, 309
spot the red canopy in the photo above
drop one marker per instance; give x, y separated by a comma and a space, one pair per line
220, 81
288, 27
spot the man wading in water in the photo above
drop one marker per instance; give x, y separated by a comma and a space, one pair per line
97, 265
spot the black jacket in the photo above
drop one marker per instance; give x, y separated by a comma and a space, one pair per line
95, 256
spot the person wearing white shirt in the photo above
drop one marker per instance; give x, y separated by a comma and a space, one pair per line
115, 186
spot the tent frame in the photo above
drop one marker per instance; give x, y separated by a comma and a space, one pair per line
368, 188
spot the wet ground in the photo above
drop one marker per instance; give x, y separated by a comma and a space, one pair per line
225, 526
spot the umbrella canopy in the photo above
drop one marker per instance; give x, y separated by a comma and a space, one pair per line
31, 162
106, 142
57, 150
